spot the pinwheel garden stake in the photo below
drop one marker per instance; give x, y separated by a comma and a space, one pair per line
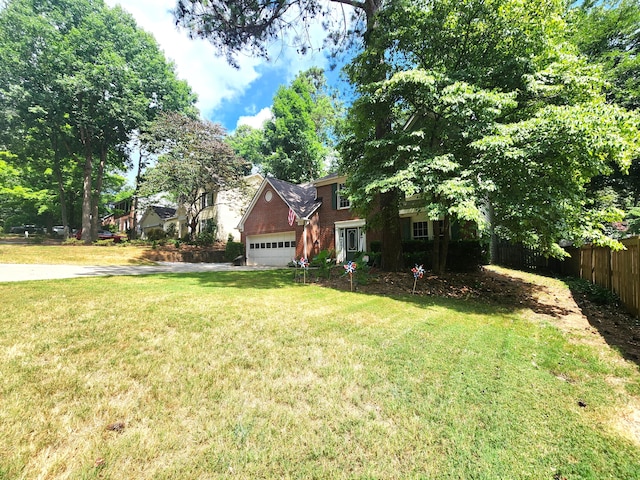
418, 272
350, 268
304, 264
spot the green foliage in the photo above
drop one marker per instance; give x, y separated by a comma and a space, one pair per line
204, 239
194, 160
324, 263
248, 143
233, 250
607, 33
298, 138
172, 230
155, 234
77, 79
485, 102
592, 292
464, 255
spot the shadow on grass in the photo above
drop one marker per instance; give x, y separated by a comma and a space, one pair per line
605, 313
485, 291
241, 279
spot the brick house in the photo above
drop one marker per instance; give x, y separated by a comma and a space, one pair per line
286, 221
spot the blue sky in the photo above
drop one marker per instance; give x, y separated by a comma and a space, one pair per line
226, 95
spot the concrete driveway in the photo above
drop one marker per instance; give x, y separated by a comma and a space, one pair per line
22, 272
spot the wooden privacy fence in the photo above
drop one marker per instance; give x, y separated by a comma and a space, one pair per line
615, 271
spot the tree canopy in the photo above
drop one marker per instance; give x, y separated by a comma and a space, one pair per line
77, 79
192, 159
477, 90
299, 137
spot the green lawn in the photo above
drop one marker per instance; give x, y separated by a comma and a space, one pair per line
75, 254
247, 375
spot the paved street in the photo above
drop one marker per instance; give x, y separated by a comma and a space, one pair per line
20, 272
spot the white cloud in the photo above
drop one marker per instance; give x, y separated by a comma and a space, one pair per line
257, 120
196, 61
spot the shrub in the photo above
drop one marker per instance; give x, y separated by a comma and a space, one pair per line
462, 256
594, 293
323, 262
172, 231
204, 239
233, 250
155, 234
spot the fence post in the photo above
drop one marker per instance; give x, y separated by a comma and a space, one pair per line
637, 281
609, 269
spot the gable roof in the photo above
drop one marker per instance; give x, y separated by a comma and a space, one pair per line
299, 198
164, 212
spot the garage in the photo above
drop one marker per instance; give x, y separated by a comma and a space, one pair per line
276, 249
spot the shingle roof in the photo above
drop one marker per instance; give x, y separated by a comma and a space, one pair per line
164, 212
300, 198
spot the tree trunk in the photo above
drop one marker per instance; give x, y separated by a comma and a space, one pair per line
61, 194
134, 224
435, 254
95, 218
440, 245
86, 187
392, 260
493, 242
444, 246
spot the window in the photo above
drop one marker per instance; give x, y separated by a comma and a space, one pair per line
420, 230
343, 200
206, 200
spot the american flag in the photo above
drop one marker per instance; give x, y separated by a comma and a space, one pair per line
292, 217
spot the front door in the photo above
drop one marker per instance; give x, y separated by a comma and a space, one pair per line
352, 239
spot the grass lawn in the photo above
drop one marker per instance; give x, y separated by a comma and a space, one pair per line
247, 375
101, 255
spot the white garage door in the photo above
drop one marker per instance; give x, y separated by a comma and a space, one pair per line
274, 249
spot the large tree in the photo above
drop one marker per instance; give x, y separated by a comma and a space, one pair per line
460, 70
248, 143
298, 138
606, 32
193, 159
77, 79
236, 26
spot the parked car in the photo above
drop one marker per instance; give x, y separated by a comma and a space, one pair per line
58, 230
103, 235
27, 228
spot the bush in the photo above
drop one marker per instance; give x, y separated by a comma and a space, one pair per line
233, 250
155, 234
462, 256
172, 231
324, 261
592, 292
204, 239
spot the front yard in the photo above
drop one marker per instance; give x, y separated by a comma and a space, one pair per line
249, 375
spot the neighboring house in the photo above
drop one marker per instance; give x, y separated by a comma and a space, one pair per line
285, 222
225, 208
122, 217
156, 216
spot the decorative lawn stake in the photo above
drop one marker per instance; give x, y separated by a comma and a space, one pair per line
350, 268
304, 265
418, 272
